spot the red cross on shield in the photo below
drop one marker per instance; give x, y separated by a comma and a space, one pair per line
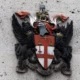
45, 50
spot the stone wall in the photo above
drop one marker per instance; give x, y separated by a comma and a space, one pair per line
8, 59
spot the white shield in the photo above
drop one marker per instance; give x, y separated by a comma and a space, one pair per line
45, 57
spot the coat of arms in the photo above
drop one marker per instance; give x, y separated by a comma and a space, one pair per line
43, 43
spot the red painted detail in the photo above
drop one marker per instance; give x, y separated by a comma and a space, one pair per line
50, 28
39, 50
22, 14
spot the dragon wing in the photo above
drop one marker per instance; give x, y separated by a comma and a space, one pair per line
17, 30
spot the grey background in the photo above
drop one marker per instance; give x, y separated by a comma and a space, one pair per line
8, 59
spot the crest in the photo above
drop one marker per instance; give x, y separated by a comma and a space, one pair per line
45, 50
42, 42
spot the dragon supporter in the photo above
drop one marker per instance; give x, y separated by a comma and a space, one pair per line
43, 26
63, 36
